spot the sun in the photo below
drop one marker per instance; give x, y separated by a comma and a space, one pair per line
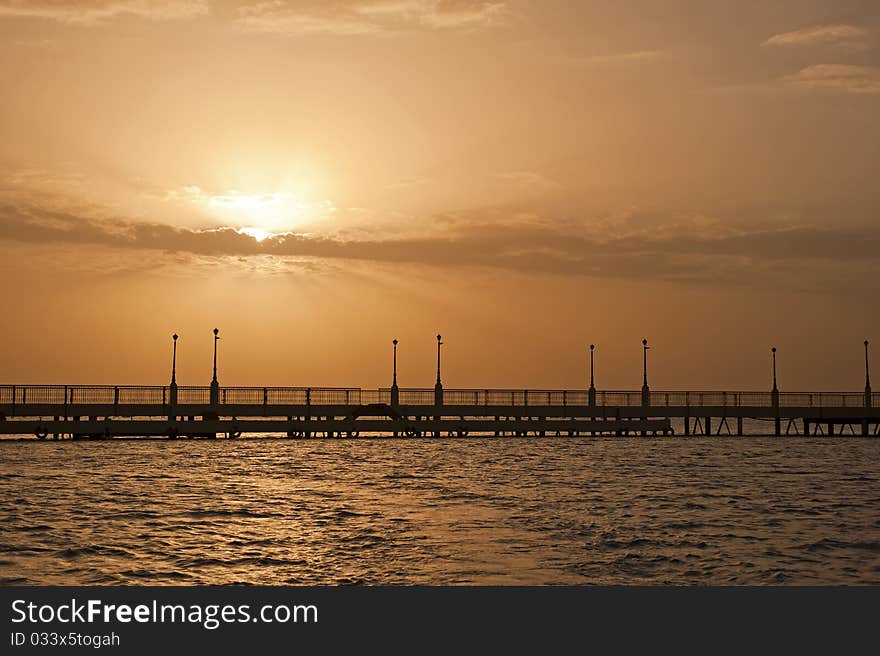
260, 234
260, 215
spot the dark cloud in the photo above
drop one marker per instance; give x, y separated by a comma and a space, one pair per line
795, 256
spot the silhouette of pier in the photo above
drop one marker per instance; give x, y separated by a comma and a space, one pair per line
173, 411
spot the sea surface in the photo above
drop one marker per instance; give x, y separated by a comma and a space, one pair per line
723, 510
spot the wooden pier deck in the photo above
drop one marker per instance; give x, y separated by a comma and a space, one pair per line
106, 412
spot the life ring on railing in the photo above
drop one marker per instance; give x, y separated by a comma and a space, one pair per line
352, 433
294, 434
412, 432
41, 432
234, 432
461, 432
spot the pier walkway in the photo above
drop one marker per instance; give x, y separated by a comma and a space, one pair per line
105, 412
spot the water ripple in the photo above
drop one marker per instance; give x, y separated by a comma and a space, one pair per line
557, 511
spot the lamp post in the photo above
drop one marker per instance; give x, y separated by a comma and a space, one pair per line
646, 391
174, 338
867, 378
592, 391
438, 387
215, 385
773, 356
395, 392
173, 387
774, 395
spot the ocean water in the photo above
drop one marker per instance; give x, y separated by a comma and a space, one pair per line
747, 510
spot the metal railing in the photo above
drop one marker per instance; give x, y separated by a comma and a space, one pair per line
14, 395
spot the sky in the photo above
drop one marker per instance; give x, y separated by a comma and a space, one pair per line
526, 177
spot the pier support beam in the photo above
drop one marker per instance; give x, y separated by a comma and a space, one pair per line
806, 427
864, 428
777, 427
687, 425
831, 429
708, 425
739, 426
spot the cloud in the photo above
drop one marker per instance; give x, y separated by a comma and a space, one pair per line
829, 78
696, 250
633, 57
279, 17
90, 12
838, 77
353, 17
455, 13
528, 181
849, 36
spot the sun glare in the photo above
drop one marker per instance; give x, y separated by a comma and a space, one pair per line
259, 234
260, 216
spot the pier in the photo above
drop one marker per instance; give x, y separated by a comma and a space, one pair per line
104, 412
176, 412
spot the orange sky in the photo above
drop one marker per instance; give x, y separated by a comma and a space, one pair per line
316, 178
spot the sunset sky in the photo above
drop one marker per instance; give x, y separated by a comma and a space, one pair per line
317, 177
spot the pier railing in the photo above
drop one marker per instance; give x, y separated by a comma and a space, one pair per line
343, 396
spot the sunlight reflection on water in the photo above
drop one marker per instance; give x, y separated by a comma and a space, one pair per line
479, 511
